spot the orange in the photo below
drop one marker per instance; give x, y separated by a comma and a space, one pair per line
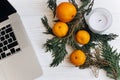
60, 29
82, 37
66, 11
78, 57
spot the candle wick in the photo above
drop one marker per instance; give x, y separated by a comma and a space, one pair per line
99, 20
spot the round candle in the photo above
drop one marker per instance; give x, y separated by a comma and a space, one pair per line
99, 20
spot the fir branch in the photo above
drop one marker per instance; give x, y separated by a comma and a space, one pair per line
72, 42
46, 25
58, 48
102, 37
87, 48
52, 5
84, 4
90, 7
51, 43
95, 59
113, 58
108, 60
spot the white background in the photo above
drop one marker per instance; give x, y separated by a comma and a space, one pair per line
31, 12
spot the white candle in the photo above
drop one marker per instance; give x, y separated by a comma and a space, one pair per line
99, 20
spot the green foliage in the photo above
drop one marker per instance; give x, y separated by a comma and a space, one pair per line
48, 28
113, 58
58, 49
104, 56
52, 5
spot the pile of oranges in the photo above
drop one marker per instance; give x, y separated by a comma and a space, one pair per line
66, 12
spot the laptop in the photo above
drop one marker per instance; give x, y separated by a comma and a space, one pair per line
17, 57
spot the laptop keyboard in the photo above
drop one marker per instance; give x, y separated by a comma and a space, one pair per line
8, 42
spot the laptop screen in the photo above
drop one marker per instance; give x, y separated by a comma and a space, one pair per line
6, 9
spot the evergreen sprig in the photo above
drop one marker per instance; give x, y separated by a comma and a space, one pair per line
52, 5
45, 23
58, 48
113, 58
104, 56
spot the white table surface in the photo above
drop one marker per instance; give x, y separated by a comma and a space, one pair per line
31, 12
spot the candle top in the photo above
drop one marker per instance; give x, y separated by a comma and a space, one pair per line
99, 20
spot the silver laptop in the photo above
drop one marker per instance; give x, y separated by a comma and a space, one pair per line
17, 57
